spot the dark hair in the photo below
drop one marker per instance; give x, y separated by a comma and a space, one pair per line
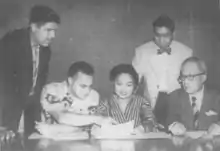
124, 68
164, 21
80, 66
41, 14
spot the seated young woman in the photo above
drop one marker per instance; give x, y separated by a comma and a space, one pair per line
125, 105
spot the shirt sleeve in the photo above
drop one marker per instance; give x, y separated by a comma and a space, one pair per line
50, 99
102, 108
137, 63
144, 69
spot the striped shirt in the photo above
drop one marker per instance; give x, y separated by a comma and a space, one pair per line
133, 110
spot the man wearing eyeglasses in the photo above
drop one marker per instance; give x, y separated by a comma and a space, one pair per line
194, 107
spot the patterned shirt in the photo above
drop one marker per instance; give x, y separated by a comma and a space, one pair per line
55, 96
137, 109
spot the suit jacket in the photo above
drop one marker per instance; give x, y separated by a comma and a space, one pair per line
17, 74
180, 109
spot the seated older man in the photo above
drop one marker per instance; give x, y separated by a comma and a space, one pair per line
194, 107
68, 104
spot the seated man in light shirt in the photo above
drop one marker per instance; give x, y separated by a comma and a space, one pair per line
158, 63
70, 102
194, 107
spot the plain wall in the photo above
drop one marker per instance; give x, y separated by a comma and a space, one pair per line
106, 32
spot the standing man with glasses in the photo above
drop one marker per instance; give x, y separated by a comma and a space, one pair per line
158, 63
194, 107
25, 56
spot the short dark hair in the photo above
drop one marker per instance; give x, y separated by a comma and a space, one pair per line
124, 68
80, 66
41, 14
164, 21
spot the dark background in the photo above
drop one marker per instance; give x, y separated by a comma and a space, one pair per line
106, 32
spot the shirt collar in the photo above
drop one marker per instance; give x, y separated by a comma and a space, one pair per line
34, 44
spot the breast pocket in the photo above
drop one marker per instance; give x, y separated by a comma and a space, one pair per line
208, 118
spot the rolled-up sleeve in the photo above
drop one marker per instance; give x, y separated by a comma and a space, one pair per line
102, 108
50, 99
137, 63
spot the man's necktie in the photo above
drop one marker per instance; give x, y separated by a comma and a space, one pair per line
35, 66
195, 112
161, 51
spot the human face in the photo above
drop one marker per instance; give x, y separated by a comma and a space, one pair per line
124, 86
192, 78
80, 85
44, 34
163, 37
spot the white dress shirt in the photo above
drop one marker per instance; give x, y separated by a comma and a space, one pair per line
160, 71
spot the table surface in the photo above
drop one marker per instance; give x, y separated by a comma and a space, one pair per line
174, 144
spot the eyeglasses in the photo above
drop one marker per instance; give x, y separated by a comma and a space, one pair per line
189, 77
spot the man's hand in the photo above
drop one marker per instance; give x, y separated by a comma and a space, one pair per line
6, 136
214, 129
46, 129
177, 128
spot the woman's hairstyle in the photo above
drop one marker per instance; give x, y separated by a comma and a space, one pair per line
124, 68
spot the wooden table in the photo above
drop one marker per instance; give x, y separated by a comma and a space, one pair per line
174, 144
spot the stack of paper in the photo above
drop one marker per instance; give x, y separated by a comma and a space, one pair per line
124, 131
113, 130
153, 135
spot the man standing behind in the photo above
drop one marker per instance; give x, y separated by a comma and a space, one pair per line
158, 62
25, 56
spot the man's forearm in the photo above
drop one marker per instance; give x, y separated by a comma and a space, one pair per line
76, 119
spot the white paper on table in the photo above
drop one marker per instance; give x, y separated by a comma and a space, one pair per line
152, 135
124, 131
195, 134
70, 136
108, 130
119, 129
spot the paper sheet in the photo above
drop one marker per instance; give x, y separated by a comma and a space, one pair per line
73, 136
119, 129
125, 131
195, 134
152, 135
